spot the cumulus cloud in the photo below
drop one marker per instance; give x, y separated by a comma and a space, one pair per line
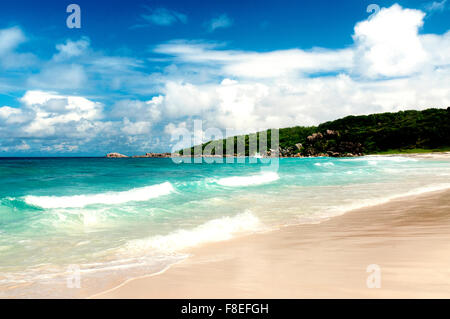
51, 122
389, 44
184, 134
437, 48
390, 67
58, 115
48, 119
195, 99
138, 110
137, 116
11, 115
135, 128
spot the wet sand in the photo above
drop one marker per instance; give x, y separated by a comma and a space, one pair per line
408, 238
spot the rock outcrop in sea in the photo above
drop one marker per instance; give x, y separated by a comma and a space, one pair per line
155, 155
147, 155
115, 155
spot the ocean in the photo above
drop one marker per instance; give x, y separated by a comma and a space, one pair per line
109, 220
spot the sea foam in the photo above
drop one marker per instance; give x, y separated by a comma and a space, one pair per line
326, 164
380, 158
108, 198
212, 231
236, 181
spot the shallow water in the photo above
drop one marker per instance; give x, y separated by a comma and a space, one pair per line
120, 218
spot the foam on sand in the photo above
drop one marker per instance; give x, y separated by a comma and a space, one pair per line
358, 204
237, 181
108, 198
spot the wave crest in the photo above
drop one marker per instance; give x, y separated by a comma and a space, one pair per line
325, 164
235, 181
109, 198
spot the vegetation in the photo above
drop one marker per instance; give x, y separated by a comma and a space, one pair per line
384, 133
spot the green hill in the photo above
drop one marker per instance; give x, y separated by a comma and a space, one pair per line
404, 131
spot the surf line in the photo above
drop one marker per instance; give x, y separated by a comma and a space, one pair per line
193, 309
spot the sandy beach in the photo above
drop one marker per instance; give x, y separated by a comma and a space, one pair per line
408, 238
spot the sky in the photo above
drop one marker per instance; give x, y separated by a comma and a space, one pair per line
137, 74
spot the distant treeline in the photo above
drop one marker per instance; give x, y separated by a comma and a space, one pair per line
364, 134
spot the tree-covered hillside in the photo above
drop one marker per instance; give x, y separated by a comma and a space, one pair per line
402, 130
355, 135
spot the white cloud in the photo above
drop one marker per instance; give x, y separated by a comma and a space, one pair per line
260, 65
66, 123
184, 134
10, 40
290, 62
58, 114
11, 115
195, 99
164, 17
23, 147
60, 148
138, 110
435, 6
77, 66
59, 77
222, 21
135, 128
388, 44
51, 102
175, 129
72, 49
137, 116
390, 67
437, 48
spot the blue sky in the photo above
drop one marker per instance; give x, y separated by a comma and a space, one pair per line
137, 73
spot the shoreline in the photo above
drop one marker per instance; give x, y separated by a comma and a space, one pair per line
427, 154
408, 237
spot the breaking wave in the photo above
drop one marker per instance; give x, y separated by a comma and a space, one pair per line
236, 181
108, 198
212, 231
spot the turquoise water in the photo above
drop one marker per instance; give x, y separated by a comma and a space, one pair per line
120, 218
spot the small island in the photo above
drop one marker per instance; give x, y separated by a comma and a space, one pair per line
116, 155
